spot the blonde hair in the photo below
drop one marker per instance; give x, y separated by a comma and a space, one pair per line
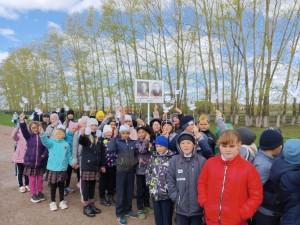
93, 139
203, 117
229, 137
59, 131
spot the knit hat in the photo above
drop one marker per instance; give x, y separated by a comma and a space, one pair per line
291, 151
70, 111
83, 120
124, 128
145, 128
127, 118
107, 128
155, 120
100, 114
247, 136
270, 139
72, 125
186, 121
162, 140
92, 121
164, 122
186, 136
111, 120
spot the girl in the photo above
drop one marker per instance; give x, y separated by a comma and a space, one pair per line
35, 159
59, 157
229, 187
54, 124
91, 164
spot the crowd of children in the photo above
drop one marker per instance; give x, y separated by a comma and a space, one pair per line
171, 165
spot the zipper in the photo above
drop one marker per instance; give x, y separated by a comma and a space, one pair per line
37, 147
222, 193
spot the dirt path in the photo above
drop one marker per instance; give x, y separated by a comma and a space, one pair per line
16, 208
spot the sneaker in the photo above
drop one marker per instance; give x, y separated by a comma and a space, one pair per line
22, 189
27, 187
63, 204
65, 192
103, 201
69, 190
122, 220
141, 214
53, 206
148, 210
41, 196
35, 199
131, 214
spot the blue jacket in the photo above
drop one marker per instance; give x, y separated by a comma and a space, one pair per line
60, 154
69, 138
287, 177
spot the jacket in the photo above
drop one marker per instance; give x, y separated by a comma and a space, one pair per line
36, 154
229, 191
143, 155
156, 176
110, 157
182, 177
59, 153
77, 148
126, 153
287, 177
17, 136
92, 153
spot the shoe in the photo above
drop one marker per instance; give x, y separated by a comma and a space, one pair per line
131, 214
103, 201
63, 204
65, 192
35, 199
148, 210
27, 187
111, 200
141, 214
94, 208
22, 189
69, 190
53, 206
41, 196
88, 211
122, 220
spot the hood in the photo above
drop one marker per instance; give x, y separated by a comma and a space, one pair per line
279, 168
177, 142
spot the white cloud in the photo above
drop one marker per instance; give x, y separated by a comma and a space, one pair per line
3, 55
84, 5
6, 32
54, 25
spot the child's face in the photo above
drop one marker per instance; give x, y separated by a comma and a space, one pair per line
93, 127
59, 135
187, 146
156, 126
72, 130
160, 149
203, 125
100, 118
70, 116
141, 133
113, 125
125, 135
108, 134
229, 151
34, 129
167, 128
53, 119
46, 119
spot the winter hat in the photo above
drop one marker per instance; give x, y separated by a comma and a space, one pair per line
92, 121
83, 120
70, 111
145, 128
186, 136
53, 115
155, 120
186, 121
247, 136
72, 125
107, 128
174, 115
127, 118
164, 122
124, 128
291, 151
270, 139
162, 140
100, 114
111, 120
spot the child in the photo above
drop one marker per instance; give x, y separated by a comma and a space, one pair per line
142, 145
167, 129
91, 164
59, 157
270, 146
204, 125
157, 182
182, 176
35, 159
126, 162
18, 158
45, 120
54, 124
108, 179
229, 187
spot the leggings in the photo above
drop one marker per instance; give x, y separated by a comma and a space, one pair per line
20, 170
53, 187
69, 172
88, 189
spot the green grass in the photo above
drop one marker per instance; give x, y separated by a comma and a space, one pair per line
5, 119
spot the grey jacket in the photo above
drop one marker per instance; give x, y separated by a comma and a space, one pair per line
263, 164
182, 181
77, 148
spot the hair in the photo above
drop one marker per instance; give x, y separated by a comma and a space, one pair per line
229, 137
93, 139
203, 117
57, 131
33, 123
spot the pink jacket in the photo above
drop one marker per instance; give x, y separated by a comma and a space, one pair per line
17, 136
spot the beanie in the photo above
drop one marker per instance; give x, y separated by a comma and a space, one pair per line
291, 151
186, 136
111, 120
247, 136
100, 114
166, 122
70, 111
127, 118
155, 120
83, 120
124, 129
92, 121
270, 139
73, 125
107, 128
145, 128
186, 121
162, 140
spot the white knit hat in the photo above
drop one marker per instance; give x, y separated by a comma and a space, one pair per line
128, 118
107, 128
92, 121
124, 128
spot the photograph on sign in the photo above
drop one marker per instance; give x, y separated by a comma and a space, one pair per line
149, 91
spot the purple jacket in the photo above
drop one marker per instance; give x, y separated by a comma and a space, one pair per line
36, 155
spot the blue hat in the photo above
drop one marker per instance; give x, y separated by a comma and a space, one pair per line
291, 151
186, 121
162, 140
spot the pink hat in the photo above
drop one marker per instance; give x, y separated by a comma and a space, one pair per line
83, 120
73, 125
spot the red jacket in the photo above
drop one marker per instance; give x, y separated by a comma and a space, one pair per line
229, 191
